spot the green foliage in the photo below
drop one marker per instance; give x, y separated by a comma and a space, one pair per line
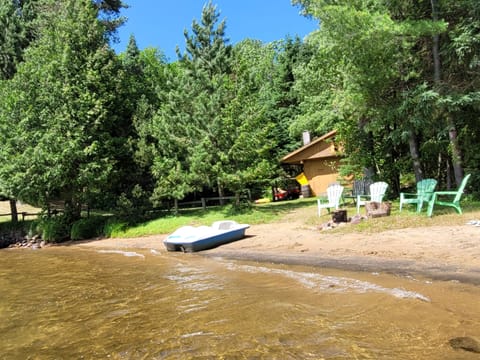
80, 124
289, 54
109, 14
133, 207
65, 89
207, 52
22, 226
54, 229
212, 131
114, 226
11, 39
141, 91
33, 228
88, 228
377, 78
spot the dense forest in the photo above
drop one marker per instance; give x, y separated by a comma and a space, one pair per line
399, 81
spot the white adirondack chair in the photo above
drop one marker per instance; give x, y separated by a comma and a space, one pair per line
334, 195
377, 192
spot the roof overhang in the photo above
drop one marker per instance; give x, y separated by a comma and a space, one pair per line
317, 149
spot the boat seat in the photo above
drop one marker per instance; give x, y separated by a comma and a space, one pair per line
224, 225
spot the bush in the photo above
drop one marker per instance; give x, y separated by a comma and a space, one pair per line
114, 226
8, 226
10, 232
87, 228
34, 228
133, 205
54, 229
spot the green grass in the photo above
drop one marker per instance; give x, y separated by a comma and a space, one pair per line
305, 211
5, 209
408, 218
257, 214
301, 210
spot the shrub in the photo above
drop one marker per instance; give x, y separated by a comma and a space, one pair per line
54, 229
12, 232
133, 205
8, 226
114, 226
34, 228
87, 228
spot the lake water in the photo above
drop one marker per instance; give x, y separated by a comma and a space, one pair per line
82, 303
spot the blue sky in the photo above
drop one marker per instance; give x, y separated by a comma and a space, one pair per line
160, 23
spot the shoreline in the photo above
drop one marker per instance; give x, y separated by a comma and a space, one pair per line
361, 264
448, 253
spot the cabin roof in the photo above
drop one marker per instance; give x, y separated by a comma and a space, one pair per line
316, 149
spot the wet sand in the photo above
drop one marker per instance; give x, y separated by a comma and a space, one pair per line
440, 252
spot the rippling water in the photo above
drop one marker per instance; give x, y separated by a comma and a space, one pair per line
71, 303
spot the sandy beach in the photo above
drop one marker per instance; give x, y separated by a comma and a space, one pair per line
448, 252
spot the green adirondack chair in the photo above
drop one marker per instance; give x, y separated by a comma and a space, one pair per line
440, 197
425, 189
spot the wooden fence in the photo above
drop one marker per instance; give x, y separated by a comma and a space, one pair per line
203, 203
23, 214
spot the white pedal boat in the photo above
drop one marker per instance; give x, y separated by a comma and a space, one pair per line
192, 238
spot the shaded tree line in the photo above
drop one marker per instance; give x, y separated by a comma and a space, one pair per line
401, 81
132, 131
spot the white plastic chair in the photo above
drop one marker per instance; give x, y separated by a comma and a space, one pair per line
377, 192
334, 194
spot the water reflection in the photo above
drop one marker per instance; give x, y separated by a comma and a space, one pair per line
62, 303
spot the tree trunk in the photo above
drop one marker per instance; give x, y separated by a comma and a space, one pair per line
72, 211
221, 193
370, 166
175, 206
437, 75
13, 210
449, 175
436, 46
414, 153
457, 162
439, 166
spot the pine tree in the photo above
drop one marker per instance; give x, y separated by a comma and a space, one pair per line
192, 117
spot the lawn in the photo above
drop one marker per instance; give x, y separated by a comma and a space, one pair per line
305, 211
301, 210
256, 214
5, 210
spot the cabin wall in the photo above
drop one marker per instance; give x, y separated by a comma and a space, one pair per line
321, 173
315, 151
